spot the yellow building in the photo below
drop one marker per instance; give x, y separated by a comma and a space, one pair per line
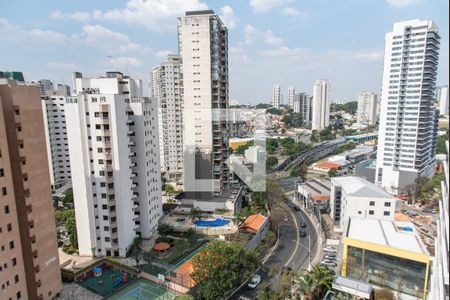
386, 254
234, 143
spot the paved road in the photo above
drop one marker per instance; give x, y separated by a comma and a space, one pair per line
291, 250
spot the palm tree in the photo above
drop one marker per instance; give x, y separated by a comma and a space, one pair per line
307, 284
323, 279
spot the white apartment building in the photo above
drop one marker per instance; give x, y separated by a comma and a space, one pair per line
302, 106
367, 109
114, 157
46, 86
442, 100
408, 120
166, 87
291, 95
53, 109
203, 47
276, 100
353, 196
320, 105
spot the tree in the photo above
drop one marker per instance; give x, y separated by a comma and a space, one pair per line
323, 279
306, 285
440, 148
332, 172
165, 229
222, 266
169, 189
271, 161
184, 297
384, 294
303, 171
135, 250
267, 293
196, 214
67, 200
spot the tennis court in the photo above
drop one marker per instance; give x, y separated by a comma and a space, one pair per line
143, 289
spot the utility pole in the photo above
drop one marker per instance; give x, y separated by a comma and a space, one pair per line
309, 253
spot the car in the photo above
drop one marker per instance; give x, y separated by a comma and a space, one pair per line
244, 298
256, 279
303, 225
331, 258
328, 263
286, 270
296, 208
302, 233
329, 249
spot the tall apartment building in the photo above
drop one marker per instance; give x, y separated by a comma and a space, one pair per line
63, 90
291, 95
302, 106
46, 86
114, 158
53, 108
408, 120
166, 88
367, 108
203, 47
275, 99
320, 105
442, 100
28, 249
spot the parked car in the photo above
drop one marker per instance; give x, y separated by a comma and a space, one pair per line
296, 208
256, 279
328, 263
329, 249
302, 233
327, 257
303, 225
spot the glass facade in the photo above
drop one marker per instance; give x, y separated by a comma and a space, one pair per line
403, 275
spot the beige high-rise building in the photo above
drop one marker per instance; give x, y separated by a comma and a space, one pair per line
28, 249
321, 105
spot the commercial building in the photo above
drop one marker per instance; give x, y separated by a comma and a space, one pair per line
291, 95
203, 46
276, 99
315, 192
53, 108
114, 159
386, 254
320, 105
367, 109
408, 119
166, 87
28, 249
353, 196
442, 100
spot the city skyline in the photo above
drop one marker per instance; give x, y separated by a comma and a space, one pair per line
84, 37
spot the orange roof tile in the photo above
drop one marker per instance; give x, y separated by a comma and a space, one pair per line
328, 164
320, 198
253, 223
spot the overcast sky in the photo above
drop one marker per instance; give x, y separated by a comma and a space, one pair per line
284, 42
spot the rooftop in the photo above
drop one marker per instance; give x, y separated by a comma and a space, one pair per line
395, 234
316, 189
358, 186
253, 223
327, 164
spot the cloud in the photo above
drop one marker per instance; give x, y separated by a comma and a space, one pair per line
262, 6
369, 56
62, 66
285, 52
228, 17
154, 15
402, 3
251, 34
46, 36
102, 37
124, 62
290, 11
80, 16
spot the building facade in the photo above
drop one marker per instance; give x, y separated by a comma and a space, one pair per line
320, 105
29, 252
167, 89
442, 100
275, 99
302, 106
203, 47
46, 86
114, 157
291, 95
53, 108
367, 109
353, 196
408, 119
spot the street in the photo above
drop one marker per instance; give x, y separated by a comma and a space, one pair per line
291, 250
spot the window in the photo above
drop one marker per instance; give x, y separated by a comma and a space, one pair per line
387, 213
4, 191
11, 245
372, 203
2, 173
6, 209
371, 212
9, 227
16, 278
387, 204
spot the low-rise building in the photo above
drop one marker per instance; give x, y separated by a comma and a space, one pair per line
315, 192
353, 196
325, 166
386, 254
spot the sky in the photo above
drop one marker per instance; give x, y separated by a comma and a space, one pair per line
285, 42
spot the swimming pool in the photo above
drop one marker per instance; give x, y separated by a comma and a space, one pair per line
216, 223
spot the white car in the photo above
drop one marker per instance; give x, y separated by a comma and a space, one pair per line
256, 279
328, 263
329, 249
